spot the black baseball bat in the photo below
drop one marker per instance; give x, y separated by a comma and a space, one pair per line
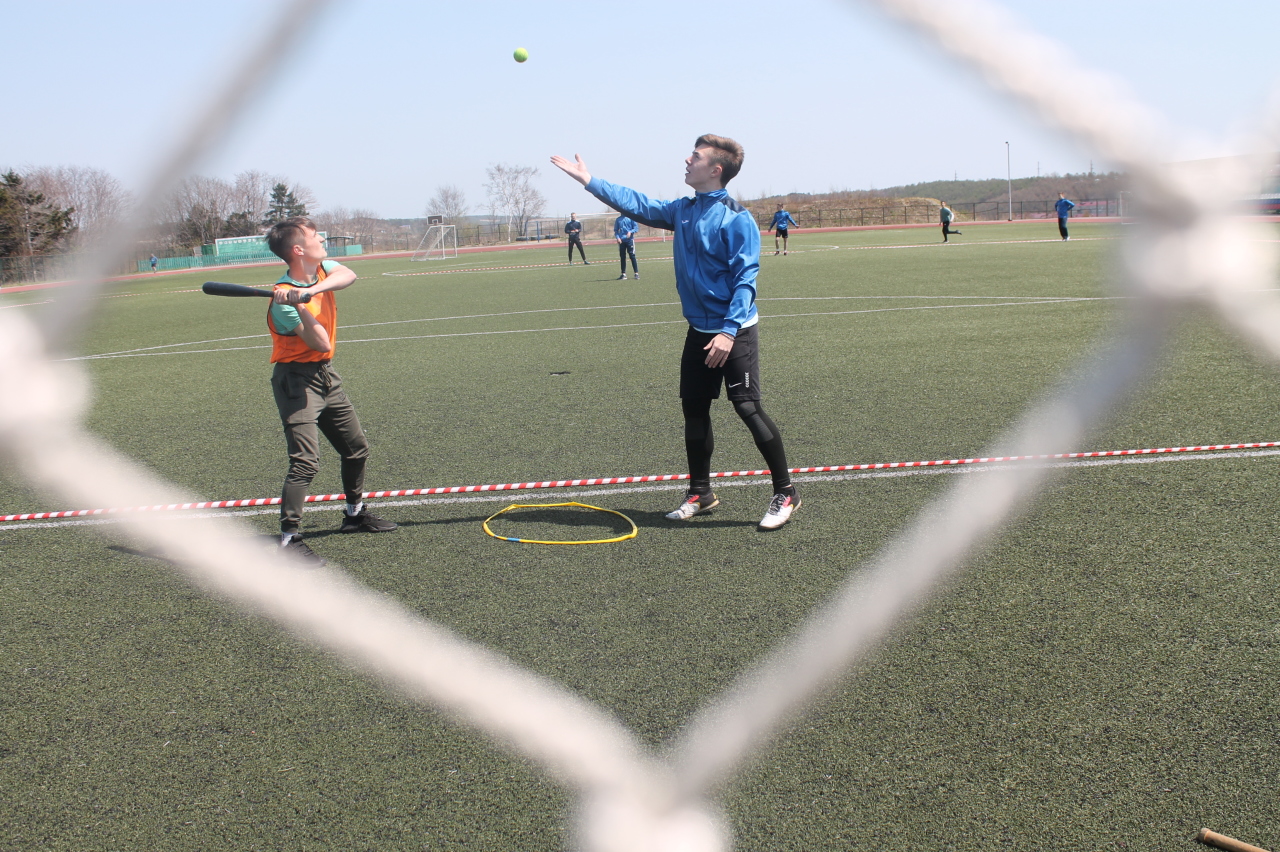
222, 288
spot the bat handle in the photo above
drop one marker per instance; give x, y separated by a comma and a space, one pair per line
1212, 838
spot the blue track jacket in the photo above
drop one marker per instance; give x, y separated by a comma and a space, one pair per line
1063, 206
624, 229
782, 219
717, 252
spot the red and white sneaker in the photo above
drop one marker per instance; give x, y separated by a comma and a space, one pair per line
780, 509
694, 504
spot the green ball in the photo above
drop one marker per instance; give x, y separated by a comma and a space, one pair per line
521, 54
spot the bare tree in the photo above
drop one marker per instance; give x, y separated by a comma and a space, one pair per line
253, 193
364, 223
200, 208
512, 194
334, 220
96, 198
450, 202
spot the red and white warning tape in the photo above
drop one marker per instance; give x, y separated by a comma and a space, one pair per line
623, 480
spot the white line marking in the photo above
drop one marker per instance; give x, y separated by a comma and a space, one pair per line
501, 496
1025, 300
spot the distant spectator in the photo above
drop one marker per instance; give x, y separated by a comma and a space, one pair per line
1063, 205
781, 221
624, 231
155, 262
946, 216
573, 228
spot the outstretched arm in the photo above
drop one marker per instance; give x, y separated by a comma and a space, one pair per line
576, 170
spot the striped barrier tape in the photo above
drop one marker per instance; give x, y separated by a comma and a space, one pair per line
624, 480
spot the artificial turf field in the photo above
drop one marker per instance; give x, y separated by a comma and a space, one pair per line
1102, 676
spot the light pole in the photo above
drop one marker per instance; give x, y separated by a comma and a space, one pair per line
1008, 172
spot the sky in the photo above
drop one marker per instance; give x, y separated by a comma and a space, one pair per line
387, 101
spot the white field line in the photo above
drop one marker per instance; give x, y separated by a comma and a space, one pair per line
721, 484
1023, 300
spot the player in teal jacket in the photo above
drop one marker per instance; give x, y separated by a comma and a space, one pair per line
717, 257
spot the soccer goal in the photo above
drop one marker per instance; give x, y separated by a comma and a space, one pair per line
438, 243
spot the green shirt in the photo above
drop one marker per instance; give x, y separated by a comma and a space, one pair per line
285, 317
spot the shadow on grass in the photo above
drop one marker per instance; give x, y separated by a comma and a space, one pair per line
658, 520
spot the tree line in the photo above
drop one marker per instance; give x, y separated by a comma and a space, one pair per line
58, 210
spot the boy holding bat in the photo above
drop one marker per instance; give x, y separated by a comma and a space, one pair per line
308, 392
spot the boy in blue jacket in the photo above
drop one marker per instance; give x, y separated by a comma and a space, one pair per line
717, 256
781, 221
1063, 208
624, 231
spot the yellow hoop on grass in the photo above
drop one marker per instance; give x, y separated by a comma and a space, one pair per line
634, 529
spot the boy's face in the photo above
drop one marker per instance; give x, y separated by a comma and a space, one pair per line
700, 172
311, 249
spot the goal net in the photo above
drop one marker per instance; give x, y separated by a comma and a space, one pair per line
438, 243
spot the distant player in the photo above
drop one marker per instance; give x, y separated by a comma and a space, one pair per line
155, 262
624, 231
308, 392
717, 256
947, 217
781, 222
1063, 205
573, 228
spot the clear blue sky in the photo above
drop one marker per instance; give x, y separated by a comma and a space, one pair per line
393, 99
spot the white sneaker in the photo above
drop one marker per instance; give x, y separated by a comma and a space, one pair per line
780, 509
694, 504
622, 277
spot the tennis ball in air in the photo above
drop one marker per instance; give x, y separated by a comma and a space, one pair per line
521, 54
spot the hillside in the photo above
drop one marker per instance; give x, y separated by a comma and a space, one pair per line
1077, 187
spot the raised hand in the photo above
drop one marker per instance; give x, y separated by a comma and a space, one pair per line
576, 169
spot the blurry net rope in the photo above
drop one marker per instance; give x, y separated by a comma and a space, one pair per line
1186, 249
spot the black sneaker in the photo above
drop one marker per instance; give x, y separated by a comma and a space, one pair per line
366, 521
297, 550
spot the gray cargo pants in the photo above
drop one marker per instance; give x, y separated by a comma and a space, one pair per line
311, 402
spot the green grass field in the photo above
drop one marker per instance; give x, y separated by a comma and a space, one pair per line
1102, 676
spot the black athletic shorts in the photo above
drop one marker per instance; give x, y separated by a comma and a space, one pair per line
782, 232
740, 374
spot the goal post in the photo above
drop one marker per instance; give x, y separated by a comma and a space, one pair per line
438, 243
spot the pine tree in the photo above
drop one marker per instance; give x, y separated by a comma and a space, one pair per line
29, 224
284, 205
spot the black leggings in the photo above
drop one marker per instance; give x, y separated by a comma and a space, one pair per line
576, 241
699, 442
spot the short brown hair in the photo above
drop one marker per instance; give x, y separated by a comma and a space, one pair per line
726, 154
282, 236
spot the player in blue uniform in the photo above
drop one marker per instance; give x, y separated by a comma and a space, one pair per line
1063, 205
781, 221
717, 257
624, 231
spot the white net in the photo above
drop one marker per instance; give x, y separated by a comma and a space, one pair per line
440, 242
1186, 249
